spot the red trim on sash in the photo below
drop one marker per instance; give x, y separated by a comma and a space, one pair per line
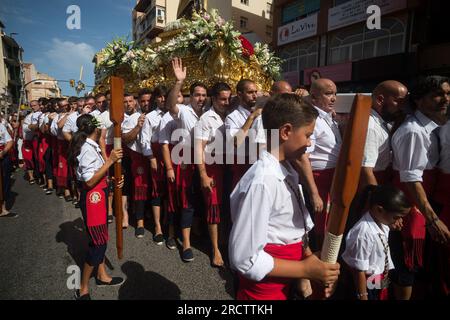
27, 153
62, 170
140, 175
186, 174
323, 179
96, 205
384, 293
213, 200
270, 288
108, 149
43, 146
158, 175
413, 232
172, 194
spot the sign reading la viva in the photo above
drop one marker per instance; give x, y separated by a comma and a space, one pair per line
297, 30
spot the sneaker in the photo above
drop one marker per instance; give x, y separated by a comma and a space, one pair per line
9, 215
139, 232
116, 281
158, 239
110, 219
171, 244
68, 198
49, 191
77, 205
187, 255
83, 297
32, 181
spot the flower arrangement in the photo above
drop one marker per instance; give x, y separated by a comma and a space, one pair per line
117, 53
200, 37
267, 60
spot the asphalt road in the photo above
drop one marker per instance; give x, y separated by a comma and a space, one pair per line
48, 237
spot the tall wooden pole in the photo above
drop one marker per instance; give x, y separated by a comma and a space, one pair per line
116, 116
346, 176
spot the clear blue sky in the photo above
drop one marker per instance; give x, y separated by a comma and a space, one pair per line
52, 47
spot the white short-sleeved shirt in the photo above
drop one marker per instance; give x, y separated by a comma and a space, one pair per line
415, 147
27, 133
35, 117
54, 129
107, 124
326, 142
150, 131
167, 126
211, 128
259, 128
236, 120
5, 137
364, 249
95, 113
377, 151
265, 210
90, 160
188, 119
71, 123
444, 135
128, 124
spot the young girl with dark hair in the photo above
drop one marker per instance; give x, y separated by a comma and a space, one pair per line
86, 156
367, 251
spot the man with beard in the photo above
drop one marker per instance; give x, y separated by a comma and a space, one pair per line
188, 116
240, 125
144, 99
209, 146
136, 168
415, 145
388, 100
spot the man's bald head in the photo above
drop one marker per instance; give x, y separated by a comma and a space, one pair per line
280, 87
323, 94
388, 99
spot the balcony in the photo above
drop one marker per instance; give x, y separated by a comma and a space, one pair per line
152, 24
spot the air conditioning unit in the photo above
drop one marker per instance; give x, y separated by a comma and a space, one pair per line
160, 19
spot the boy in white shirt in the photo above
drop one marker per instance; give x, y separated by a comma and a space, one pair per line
268, 242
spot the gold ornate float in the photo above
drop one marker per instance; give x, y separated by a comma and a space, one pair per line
209, 46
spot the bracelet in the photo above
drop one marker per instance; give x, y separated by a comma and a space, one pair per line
169, 169
360, 295
433, 221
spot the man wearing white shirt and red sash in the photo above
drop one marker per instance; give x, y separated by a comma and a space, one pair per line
152, 151
415, 145
325, 146
28, 137
210, 139
138, 170
188, 115
240, 126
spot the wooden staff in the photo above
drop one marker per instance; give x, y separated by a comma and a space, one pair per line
116, 116
346, 176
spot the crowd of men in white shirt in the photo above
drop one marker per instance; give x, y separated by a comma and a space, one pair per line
411, 153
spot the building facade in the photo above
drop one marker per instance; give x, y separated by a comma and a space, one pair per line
11, 76
39, 85
253, 18
332, 39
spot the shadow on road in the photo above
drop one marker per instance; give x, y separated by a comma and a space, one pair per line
72, 233
146, 285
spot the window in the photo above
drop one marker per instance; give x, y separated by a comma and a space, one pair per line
300, 56
245, 2
269, 10
269, 31
244, 22
358, 42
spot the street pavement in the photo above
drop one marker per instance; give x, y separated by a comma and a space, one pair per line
48, 237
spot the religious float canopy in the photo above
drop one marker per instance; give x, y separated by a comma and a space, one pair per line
210, 47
